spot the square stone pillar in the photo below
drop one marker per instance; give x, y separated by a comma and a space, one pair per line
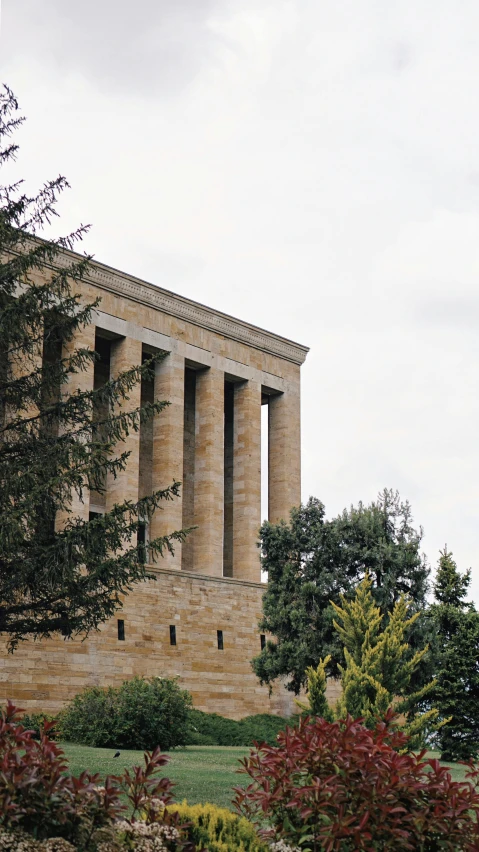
247, 481
284, 454
126, 353
18, 366
167, 467
209, 472
84, 338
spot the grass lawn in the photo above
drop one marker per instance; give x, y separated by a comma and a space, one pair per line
201, 773
456, 769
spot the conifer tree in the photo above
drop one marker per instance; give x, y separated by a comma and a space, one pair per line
70, 579
456, 694
311, 561
317, 681
379, 669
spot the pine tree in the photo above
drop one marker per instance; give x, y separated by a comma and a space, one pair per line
456, 694
54, 578
379, 668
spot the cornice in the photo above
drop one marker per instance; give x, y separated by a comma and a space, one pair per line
122, 284
156, 569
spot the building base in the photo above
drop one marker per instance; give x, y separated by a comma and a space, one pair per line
199, 613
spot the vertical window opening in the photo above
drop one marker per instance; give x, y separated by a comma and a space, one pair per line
220, 639
147, 391
142, 542
100, 410
264, 466
172, 634
263, 641
188, 484
121, 629
65, 629
228, 569
264, 457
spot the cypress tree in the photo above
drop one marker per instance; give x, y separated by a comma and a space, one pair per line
456, 694
379, 669
58, 580
318, 704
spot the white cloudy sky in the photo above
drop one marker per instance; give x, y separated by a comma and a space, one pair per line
311, 166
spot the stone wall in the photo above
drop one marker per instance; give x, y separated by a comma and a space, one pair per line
43, 675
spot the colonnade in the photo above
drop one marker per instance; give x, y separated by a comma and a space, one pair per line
219, 462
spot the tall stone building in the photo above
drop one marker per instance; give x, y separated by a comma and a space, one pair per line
199, 619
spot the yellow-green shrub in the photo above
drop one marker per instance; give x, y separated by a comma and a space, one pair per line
219, 830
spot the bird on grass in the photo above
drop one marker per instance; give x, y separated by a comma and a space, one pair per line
117, 754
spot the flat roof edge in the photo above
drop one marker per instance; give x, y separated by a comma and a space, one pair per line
121, 283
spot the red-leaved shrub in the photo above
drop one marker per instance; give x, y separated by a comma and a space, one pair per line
339, 786
38, 797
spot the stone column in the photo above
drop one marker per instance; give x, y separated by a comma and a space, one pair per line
284, 454
84, 338
18, 366
209, 472
167, 467
125, 353
247, 481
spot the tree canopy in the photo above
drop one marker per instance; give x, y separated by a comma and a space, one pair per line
456, 695
312, 561
53, 579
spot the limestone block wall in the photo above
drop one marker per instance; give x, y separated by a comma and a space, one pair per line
44, 675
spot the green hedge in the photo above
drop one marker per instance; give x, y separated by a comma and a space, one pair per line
143, 714
140, 714
213, 729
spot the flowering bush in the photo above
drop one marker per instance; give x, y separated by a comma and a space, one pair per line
41, 805
339, 786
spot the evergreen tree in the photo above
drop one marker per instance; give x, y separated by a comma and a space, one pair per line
456, 694
379, 669
54, 579
312, 561
317, 682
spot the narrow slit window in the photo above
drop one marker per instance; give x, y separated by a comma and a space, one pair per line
219, 634
65, 626
172, 634
263, 641
141, 539
121, 629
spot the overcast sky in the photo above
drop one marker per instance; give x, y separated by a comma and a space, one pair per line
311, 166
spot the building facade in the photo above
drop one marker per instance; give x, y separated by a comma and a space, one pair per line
198, 619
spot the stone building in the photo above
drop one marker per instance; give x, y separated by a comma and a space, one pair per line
199, 619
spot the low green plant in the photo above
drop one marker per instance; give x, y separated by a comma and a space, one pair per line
213, 729
140, 714
219, 830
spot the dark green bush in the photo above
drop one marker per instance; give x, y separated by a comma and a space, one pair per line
36, 721
212, 729
140, 714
